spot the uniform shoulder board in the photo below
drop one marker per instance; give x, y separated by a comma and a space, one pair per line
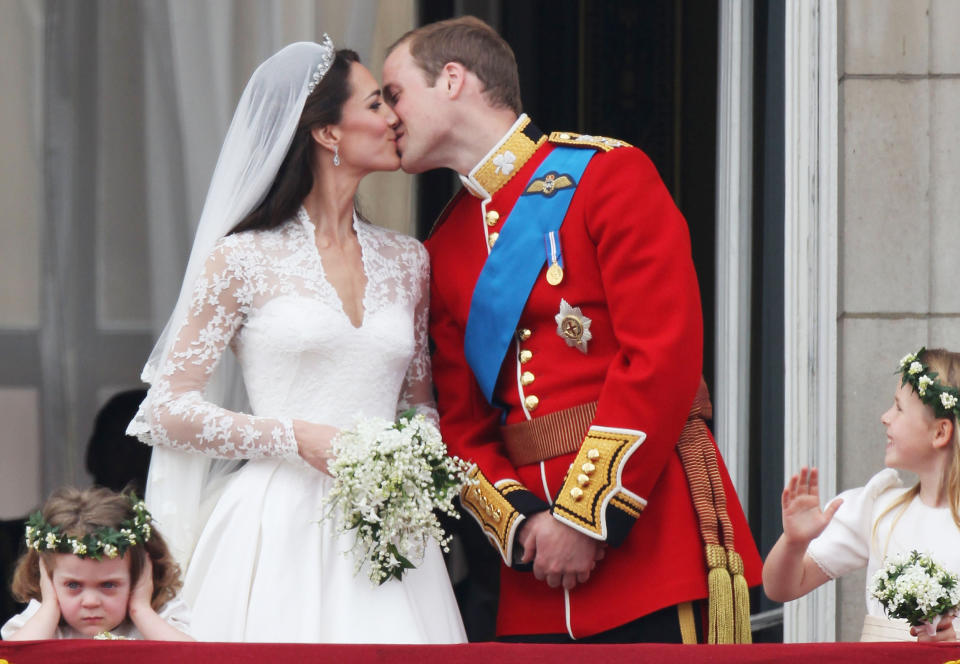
585, 140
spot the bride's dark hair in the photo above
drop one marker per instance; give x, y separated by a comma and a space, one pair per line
323, 107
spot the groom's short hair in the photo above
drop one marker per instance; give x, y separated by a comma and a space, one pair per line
473, 44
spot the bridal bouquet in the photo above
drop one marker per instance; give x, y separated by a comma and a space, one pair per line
916, 588
389, 477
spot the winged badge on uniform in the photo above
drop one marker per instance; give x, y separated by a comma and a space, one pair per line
550, 184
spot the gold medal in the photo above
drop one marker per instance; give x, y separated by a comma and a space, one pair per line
551, 242
554, 274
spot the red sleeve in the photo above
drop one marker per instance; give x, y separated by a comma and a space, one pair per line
470, 426
650, 287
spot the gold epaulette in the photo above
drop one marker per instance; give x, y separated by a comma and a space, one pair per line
594, 482
585, 140
489, 506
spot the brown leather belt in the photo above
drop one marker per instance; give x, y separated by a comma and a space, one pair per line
547, 436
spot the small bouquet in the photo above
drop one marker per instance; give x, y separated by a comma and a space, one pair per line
916, 588
389, 477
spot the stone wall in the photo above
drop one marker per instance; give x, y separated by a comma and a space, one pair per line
899, 227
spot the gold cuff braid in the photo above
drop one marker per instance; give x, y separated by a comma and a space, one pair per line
489, 506
594, 481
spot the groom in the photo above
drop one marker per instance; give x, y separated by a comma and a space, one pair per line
566, 316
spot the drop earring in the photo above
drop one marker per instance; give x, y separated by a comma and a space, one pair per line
336, 155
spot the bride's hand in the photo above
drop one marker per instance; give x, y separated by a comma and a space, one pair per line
314, 443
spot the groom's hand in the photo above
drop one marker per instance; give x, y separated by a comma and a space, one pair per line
560, 554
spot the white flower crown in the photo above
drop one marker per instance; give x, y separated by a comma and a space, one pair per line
942, 398
107, 541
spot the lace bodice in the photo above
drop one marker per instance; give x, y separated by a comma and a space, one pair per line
264, 294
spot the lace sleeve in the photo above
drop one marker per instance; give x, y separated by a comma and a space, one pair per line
417, 389
175, 411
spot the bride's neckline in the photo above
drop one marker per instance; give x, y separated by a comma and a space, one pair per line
304, 218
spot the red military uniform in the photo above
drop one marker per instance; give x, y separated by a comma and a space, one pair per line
630, 284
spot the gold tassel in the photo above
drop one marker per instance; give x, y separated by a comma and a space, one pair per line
741, 599
720, 603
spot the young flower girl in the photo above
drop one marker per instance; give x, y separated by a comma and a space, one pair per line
868, 525
96, 567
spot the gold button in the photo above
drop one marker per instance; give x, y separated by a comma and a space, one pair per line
576, 493
524, 334
583, 480
593, 454
526, 378
525, 356
588, 468
492, 239
492, 218
531, 402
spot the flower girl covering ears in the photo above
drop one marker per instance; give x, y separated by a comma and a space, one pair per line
96, 567
863, 527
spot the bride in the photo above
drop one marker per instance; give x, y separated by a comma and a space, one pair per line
326, 316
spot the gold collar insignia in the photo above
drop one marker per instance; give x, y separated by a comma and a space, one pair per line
505, 159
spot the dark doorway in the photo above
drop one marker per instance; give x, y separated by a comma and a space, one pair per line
766, 379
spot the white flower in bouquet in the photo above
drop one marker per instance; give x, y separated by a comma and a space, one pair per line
389, 478
916, 588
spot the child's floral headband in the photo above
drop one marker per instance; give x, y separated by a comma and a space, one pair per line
106, 541
942, 398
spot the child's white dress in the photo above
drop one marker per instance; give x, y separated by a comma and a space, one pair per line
175, 612
851, 542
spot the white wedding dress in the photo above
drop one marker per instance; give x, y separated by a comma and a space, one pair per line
267, 566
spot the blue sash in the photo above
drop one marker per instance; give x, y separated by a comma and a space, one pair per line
516, 259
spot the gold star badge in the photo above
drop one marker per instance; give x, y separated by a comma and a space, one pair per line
572, 326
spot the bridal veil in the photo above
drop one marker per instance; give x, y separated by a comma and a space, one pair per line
182, 485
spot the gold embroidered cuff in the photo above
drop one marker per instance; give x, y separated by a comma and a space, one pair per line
594, 485
489, 506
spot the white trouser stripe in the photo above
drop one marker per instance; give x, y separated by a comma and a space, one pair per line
546, 489
566, 609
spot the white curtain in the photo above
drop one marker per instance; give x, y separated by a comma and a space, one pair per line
198, 56
112, 119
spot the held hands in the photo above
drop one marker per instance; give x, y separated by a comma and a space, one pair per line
560, 554
314, 443
802, 518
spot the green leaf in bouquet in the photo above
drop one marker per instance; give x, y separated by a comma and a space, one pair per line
397, 571
407, 415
